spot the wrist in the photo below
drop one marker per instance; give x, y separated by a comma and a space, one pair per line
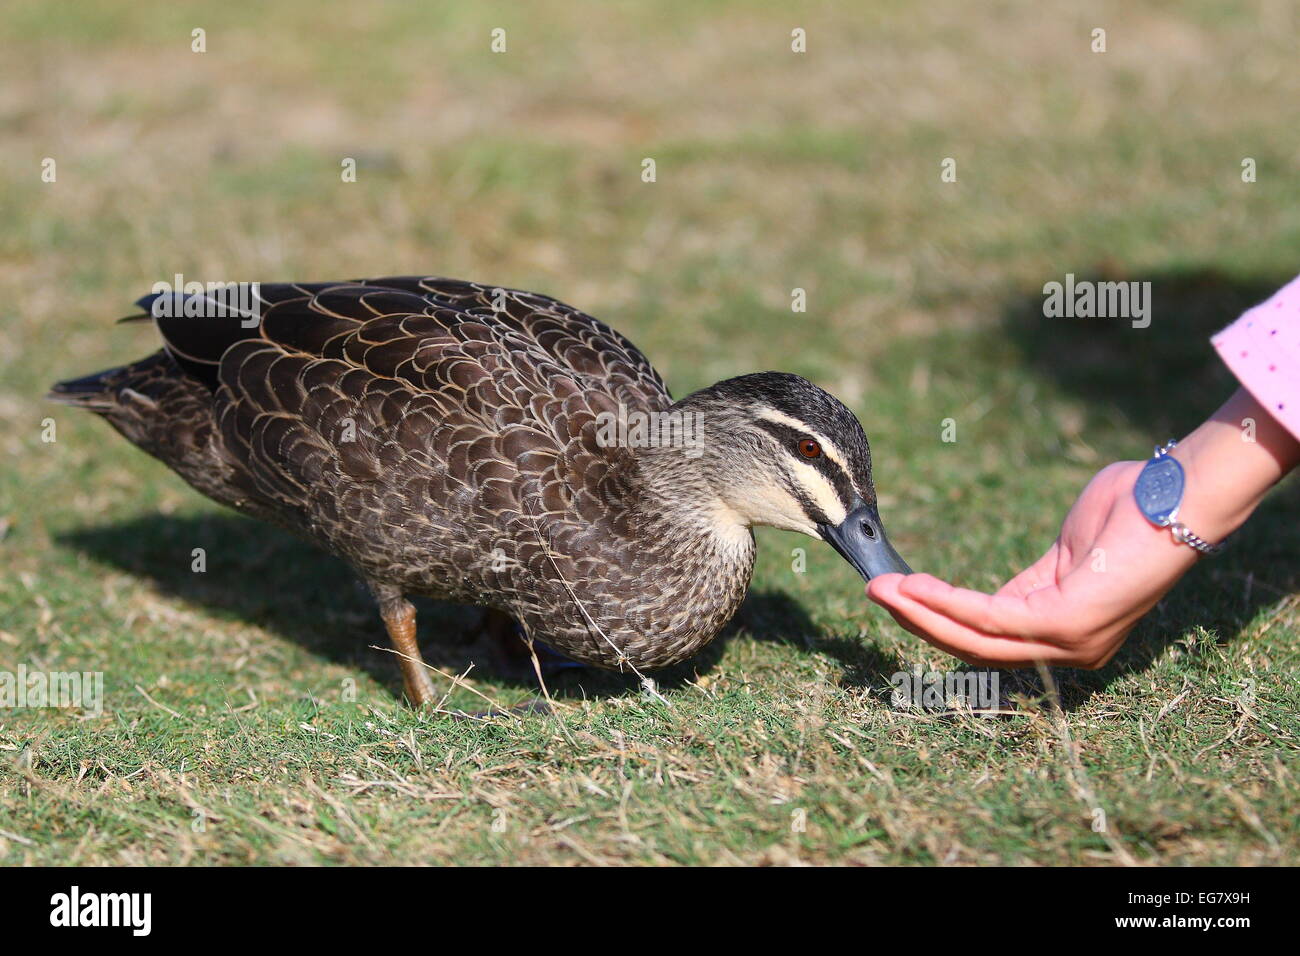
1231, 462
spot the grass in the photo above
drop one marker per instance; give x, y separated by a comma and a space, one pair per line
249, 720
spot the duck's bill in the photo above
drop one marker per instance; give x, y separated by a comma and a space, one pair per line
860, 539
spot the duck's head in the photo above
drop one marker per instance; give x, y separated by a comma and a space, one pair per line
777, 450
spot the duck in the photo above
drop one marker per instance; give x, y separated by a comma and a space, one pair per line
495, 447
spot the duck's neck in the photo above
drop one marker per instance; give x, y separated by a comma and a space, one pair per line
677, 497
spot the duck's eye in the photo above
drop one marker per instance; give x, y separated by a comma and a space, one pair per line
809, 448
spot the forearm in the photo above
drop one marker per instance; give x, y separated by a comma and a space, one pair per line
1228, 473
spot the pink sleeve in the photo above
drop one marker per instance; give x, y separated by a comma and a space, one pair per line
1262, 348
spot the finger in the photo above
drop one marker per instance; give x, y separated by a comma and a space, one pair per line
882, 583
974, 647
1034, 616
972, 659
960, 639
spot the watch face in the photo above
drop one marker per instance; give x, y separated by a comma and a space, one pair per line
1159, 489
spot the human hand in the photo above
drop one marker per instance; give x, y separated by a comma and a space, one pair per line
1109, 566
1073, 606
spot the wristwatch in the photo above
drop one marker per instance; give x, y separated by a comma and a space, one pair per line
1159, 493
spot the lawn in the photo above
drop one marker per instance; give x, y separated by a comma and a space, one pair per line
251, 714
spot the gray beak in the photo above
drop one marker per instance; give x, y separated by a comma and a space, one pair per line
860, 540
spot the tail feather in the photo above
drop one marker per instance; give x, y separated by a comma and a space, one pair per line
95, 392
161, 410
123, 388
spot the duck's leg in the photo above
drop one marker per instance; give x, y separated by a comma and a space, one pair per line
399, 618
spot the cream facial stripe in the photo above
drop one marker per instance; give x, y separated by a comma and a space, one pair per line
825, 488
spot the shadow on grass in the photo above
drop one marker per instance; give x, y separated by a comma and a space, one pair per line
1165, 380
261, 575
769, 616
775, 616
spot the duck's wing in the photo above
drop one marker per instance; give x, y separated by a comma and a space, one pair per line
576, 339
197, 329
579, 342
389, 421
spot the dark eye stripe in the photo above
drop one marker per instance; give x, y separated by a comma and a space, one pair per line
788, 438
814, 513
